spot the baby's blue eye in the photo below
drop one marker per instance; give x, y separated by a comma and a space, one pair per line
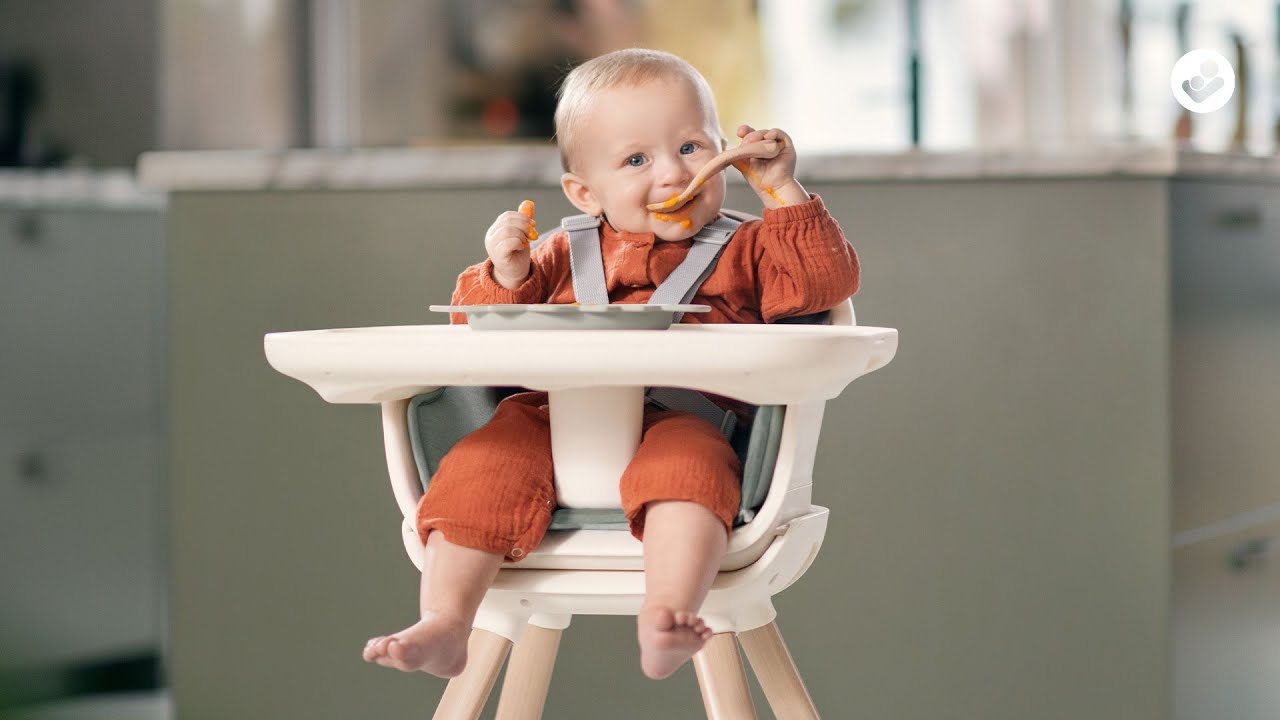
688, 148
635, 160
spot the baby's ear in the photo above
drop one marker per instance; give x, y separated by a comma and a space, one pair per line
575, 188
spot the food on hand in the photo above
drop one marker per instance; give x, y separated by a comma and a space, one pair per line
526, 209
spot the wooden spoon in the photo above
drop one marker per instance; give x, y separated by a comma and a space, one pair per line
766, 149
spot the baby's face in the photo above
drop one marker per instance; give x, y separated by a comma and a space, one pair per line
641, 145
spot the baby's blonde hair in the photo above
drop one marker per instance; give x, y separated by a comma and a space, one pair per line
621, 68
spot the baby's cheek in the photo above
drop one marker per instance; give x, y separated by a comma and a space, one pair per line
636, 190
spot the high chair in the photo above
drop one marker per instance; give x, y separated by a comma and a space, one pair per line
596, 382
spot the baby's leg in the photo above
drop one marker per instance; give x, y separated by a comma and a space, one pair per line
681, 493
454, 581
683, 545
490, 499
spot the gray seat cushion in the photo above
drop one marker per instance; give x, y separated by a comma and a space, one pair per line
439, 419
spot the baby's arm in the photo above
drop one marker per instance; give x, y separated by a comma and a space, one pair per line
803, 262
509, 275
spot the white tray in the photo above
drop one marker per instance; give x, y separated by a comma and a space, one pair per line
760, 364
570, 317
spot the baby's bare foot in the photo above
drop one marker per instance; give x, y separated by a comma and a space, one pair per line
434, 644
667, 639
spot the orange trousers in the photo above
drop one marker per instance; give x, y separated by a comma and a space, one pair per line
494, 489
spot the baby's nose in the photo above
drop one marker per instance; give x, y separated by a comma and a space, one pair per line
673, 171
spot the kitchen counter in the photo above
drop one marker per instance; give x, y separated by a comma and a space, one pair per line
539, 165
101, 189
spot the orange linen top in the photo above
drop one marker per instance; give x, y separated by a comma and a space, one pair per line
795, 261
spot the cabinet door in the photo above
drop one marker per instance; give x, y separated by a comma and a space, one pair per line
1226, 638
80, 315
1225, 393
80, 547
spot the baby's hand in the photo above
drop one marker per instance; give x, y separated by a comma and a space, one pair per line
507, 243
773, 179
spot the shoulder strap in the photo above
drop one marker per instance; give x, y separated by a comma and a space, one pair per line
585, 262
683, 282
587, 265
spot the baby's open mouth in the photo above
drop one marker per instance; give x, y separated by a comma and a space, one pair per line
676, 207
681, 213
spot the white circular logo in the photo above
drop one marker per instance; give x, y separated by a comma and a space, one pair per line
1202, 81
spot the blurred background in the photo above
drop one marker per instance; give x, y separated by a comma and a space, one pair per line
1064, 497
95, 84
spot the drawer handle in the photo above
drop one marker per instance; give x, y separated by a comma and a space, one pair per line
1240, 218
1248, 554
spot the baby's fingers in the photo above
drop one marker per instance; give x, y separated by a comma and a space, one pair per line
508, 236
778, 135
515, 223
515, 236
750, 135
744, 131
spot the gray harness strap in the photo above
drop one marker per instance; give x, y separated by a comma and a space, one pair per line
587, 265
683, 282
587, 268
585, 262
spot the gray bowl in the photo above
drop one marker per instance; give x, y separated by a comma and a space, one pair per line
570, 317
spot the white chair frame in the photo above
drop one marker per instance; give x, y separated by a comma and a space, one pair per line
576, 572
591, 378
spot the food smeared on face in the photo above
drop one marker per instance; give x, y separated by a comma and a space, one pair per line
674, 200
682, 216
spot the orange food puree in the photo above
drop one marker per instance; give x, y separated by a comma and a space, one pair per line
670, 202
753, 178
681, 217
675, 199
526, 209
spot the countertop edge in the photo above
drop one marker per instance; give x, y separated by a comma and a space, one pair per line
539, 165
77, 188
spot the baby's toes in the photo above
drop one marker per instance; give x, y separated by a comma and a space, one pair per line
403, 653
392, 655
398, 653
373, 648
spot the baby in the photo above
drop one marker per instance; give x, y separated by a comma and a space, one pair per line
633, 128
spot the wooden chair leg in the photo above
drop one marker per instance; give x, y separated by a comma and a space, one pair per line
723, 682
466, 695
777, 673
524, 689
